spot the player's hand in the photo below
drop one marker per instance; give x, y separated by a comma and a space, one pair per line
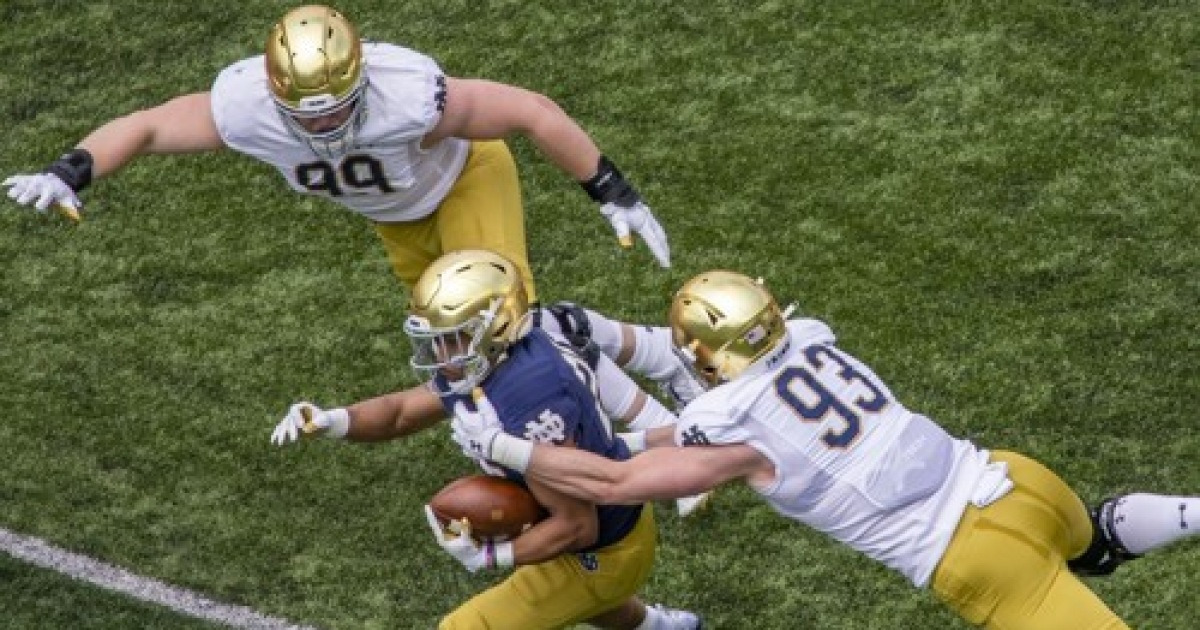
41, 191
475, 431
456, 539
304, 418
637, 217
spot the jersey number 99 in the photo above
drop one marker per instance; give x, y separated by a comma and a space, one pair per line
357, 172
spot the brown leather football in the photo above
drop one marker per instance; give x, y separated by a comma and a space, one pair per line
495, 507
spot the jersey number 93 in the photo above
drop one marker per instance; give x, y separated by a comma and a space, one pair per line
812, 401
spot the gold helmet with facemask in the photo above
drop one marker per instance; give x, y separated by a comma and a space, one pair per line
722, 322
465, 311
315, 70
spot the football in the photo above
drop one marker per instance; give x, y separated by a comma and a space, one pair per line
495, 507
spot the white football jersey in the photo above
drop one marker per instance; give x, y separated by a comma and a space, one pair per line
387, 176
849, 459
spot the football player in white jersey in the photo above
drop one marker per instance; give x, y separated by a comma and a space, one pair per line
383, 131
814, 431
375, 127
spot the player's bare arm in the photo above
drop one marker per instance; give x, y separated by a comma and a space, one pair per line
181, 125
386, 417
394, 415
477, 109
571, 526
659, 473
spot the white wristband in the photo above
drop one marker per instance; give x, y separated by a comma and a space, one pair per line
339, 423
511, 452
502, 554
635, 441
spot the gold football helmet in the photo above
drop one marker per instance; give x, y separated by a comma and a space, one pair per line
722, 322
465, 311
315, 72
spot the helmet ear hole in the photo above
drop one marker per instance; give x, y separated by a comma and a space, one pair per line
729, 320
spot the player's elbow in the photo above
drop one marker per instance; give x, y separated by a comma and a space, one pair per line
137, 128
541, 116
614, 492
585, 534
575, 531
543, 102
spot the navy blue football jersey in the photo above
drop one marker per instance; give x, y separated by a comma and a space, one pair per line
544, 392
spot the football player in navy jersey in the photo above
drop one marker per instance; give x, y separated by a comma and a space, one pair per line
473, 333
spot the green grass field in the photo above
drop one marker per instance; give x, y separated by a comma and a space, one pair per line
994, 206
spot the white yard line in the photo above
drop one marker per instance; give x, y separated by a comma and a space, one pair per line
39, 552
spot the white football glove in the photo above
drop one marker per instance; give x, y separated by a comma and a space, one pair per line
456, 539
305, 418
482, 436
41, 191
638, 219
475, 431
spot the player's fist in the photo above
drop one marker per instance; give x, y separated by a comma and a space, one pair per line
305, 418
456, 540
481, 435
475, 431
41, 191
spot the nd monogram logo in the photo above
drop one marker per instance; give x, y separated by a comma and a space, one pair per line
549, 427
693, 436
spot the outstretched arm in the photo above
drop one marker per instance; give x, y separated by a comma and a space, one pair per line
181, 125
394, 415
480, 110
483, 110
376, 419
658, 473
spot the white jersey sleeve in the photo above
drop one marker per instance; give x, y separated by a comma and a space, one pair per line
244, 112
413, 86
706, 422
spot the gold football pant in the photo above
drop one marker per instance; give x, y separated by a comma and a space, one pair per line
566, 590
1006, 566
482, 211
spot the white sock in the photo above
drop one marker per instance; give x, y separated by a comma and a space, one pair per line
653, 353
1144, 522
654, 620
659, 618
